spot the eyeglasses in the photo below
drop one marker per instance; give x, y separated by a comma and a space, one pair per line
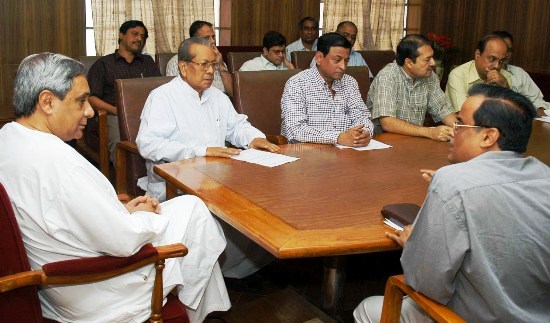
349, 36
204, 66
457, 125
278, 52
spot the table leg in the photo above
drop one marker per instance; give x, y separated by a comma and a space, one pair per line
171, 191
333, 283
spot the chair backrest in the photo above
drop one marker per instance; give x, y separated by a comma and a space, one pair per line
302, 59
162, 60
361, 74
21, 304
88, 61
131, 95
258, 95
377, 59
236, 59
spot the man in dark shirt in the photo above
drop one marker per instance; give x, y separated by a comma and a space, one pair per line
126, 62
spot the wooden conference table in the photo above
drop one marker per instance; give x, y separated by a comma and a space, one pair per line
325, 204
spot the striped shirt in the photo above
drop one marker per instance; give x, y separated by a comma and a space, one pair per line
310, 113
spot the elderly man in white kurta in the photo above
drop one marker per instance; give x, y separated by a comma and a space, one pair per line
67, 209
187, 118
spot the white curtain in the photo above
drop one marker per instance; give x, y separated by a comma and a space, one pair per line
380, 22
166, 20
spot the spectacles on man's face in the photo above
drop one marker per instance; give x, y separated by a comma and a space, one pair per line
204, 66
457, 125
278, 52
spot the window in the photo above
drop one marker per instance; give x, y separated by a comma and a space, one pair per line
90, 42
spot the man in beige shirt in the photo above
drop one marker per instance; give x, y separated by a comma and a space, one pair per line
486, 67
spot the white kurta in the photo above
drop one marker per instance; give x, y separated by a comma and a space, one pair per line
67, 209
176, 124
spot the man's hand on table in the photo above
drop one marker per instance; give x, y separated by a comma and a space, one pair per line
262, 143
355, 137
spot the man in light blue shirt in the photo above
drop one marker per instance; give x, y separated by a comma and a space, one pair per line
480, 242
349, 30
273, 57
309, 32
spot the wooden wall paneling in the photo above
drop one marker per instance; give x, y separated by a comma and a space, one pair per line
466, 21
33, 26
251, 19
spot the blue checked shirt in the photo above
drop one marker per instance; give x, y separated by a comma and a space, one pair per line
311, 114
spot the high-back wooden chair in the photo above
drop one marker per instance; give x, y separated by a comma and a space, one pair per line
302, 59
258, 95
19, 300
236, 59
94, 143
377, 59
88, 61
396, 288
361, 75
162, 60
131, 95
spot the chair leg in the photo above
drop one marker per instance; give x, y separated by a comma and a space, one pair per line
393, 299
157, 299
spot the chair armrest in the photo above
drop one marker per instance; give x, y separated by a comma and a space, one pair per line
396, 288
80, 271
103, 141
123, 148
277, 139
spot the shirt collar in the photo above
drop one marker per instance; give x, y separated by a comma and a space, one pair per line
136, 56
192, 92
266, 63
336, 84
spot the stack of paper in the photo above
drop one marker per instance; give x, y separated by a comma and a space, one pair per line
263, 158
373, 144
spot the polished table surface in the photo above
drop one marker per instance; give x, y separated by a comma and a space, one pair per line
328, 202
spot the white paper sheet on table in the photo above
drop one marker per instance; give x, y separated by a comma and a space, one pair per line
373, 144
544, 119
263, 158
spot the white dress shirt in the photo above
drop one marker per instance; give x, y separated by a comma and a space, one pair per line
178, 124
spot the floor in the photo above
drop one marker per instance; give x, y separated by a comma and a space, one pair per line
288, 291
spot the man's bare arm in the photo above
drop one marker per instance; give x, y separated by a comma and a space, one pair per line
440, 133
97, 103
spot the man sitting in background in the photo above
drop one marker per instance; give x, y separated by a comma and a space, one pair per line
521, 81
309, 32
349, 30
486, 67
273, 58
222, 78
406, 89
126, 62
67, 209
480, 243
323, 104
187, 118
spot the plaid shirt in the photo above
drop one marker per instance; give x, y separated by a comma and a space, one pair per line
395, 94
104, 72
311, 114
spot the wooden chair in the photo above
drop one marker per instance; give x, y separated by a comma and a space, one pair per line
236, 59
377, 59
302, 59
162, 60
396, 288
94, 143
88, 61
19, 300
131, 95
361, 75
258, 95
